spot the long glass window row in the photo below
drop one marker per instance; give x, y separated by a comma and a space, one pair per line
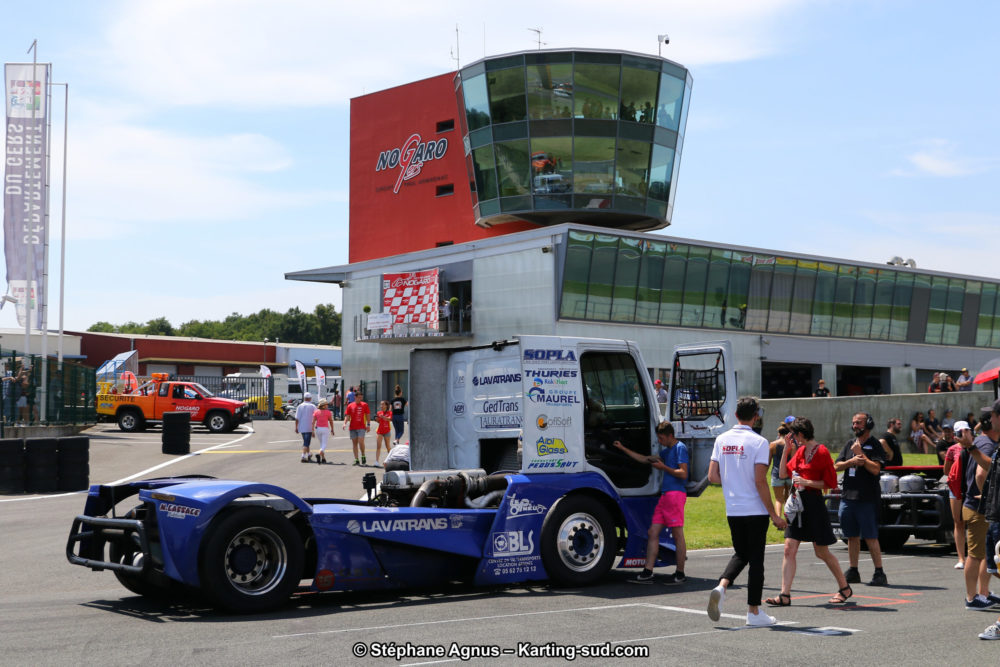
623, 279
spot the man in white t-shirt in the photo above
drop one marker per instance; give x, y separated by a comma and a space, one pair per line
739, 463
304, 423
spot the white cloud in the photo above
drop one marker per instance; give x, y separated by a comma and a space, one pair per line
939, 158
255, 53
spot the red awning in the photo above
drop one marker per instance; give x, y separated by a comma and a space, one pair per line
987, 375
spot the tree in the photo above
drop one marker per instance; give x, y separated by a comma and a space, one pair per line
321, 327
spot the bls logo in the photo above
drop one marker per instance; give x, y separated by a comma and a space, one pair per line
513, 543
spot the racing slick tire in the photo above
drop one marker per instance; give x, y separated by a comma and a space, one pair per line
218, 422
578, 541
11, 466
251, 560
131, 420
41, 465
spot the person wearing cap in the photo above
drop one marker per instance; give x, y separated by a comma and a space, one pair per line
976, 461
821, 390
990, 502
780, 486
303, 423
946, 383
964, 381
661, 393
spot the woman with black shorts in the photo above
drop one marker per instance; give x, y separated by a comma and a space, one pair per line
811, 470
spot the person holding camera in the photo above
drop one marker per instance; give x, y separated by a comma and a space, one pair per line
861, 461
811, 470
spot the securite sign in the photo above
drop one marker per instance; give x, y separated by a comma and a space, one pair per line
410, 157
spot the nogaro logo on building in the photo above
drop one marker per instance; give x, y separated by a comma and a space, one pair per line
410, 157
549, 355
546, 446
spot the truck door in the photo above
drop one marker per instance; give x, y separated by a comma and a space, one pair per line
184, 398
616, 407
701, 403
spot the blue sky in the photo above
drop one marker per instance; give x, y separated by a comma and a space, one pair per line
208, 139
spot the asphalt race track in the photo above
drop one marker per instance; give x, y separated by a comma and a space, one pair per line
55, 613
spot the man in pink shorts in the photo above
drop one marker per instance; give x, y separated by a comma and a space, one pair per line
669, 512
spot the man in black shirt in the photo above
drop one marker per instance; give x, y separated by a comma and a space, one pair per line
890, 446
861, 462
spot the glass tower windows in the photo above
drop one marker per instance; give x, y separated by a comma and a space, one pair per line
674, 268
549, 91
626, 280
595, 91
477, 103
668, 106
638, 95
647, 307
507, 101
602, 277
632, 168
594, 165
486, 177
576, 275
660, 170
513, 168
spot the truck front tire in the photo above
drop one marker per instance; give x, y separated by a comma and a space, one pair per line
251, 560
218, 422
578, 541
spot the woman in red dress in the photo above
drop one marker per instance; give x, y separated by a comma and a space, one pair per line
811, 470
384, 417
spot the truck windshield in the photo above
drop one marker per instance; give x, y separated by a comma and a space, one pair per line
699, 386
201, 390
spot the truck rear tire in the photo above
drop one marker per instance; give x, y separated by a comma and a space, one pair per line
251, 560
131, 421
578, 541
218, 422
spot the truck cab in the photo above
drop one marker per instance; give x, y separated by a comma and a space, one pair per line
555, 405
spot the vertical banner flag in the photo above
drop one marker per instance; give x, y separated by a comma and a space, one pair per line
300, 370
265, 371
320, 380
411, 298
25, 202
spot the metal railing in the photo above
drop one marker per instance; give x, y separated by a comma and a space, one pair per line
67, 395
458, 325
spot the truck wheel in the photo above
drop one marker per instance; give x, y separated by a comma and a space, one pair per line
891, 540
217, 422
251, 560
578, 541
131, 421
144, 585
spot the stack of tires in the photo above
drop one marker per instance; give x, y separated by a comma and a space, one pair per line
41, 465
11, 466
176, 433
73, 465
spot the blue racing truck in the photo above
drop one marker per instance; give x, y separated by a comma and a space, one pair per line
514, 480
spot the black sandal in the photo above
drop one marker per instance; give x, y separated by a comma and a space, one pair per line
840, 598
783, 600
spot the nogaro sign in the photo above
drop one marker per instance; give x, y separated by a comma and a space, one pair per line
410, 157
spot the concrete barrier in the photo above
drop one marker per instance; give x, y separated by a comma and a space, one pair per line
831, 417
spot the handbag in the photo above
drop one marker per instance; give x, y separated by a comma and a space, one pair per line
793, 506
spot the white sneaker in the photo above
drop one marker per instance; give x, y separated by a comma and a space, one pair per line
959, 565
992, 632
760, 619
715, 600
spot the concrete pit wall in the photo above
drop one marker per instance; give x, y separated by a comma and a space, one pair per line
831, 417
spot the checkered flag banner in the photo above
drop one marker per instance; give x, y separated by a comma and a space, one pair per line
411, 298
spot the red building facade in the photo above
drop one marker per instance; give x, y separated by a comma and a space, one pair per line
410, 185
